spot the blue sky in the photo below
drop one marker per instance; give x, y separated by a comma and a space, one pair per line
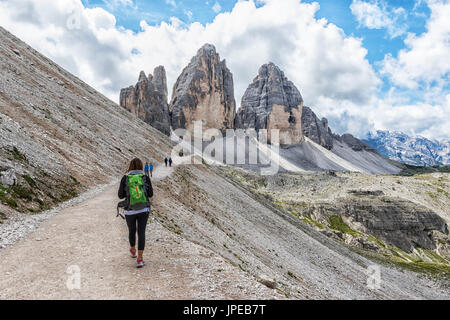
363, 64
376, 41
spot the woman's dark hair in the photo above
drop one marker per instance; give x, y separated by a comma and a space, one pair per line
135, 164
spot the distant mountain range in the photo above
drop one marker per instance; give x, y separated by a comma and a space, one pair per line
412, 150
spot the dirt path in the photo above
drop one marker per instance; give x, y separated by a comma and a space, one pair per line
87, 242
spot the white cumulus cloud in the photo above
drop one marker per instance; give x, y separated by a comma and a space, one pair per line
422, 70
375, 14
426, 59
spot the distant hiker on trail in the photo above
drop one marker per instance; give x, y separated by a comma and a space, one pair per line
151, 169
165, 161
146, 168
170, 162
136, 187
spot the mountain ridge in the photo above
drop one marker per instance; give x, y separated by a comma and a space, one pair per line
412, 150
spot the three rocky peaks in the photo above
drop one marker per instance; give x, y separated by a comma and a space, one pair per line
205, 91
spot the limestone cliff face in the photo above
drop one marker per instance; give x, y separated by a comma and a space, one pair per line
398, 222
316, 129
272, 102
148, 99
204, 91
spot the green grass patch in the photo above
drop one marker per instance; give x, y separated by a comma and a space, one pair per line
7, 197
44, 207
297, 209
311, 221
400, 256
29, 180
409, 170
445, 193
294, 213
433, 256
11, 203
376, 240
238, 177
22, 192
4, 192
336, 223
433, 269
432, 195
427, 267
18, 156
72, 193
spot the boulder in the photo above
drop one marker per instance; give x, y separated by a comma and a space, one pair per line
270, 283
8, 177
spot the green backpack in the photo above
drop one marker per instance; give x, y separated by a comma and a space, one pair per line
136, 189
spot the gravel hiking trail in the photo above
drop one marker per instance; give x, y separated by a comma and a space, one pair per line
82, 253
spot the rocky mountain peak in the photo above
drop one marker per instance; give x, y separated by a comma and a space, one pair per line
270, 69
160, 79
272, 102
148, 99
315, 129
204, 91
142, 76
207, 49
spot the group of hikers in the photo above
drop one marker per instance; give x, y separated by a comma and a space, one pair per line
148, 169
168, 161
136, 188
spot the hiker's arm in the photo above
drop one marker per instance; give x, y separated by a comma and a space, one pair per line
149, 188
122, 194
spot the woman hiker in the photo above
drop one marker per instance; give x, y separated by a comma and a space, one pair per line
136, 187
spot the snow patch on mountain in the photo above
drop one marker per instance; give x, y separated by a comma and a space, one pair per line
412, 150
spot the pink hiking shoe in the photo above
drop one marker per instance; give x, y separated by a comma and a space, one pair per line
140, 264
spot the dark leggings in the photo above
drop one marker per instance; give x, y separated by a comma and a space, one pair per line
141, 220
